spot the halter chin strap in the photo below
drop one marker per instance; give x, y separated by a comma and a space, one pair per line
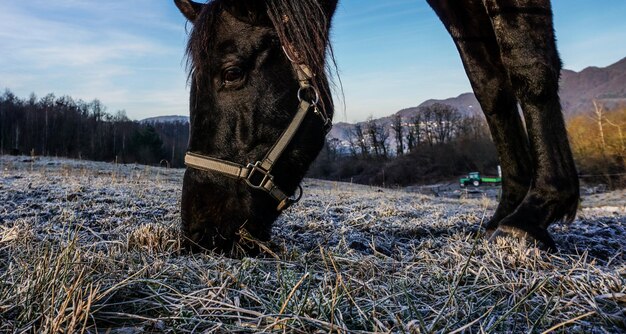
258, 175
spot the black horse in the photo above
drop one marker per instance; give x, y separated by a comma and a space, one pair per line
260, 109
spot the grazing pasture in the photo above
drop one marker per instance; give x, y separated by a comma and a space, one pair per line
94, 247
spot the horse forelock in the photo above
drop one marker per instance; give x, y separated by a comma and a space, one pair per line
301, 25
201, 39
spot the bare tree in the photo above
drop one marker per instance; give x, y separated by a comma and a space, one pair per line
333, 145
427, 126
440, 123
598, 117
379, 138
414, 132
359, 137
472, 128
398, 130
354, 145
446, 118
410, 137
601, 117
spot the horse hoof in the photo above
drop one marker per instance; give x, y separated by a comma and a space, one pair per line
543, 242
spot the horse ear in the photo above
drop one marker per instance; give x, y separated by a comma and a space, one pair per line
251, 11
329, 7
189, 8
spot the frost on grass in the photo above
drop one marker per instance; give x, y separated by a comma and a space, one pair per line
95, 247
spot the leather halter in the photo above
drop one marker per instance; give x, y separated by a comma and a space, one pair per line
257, 175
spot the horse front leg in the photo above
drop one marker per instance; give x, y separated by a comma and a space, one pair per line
476, 42
525, 35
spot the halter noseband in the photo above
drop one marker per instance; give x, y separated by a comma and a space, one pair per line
258, 175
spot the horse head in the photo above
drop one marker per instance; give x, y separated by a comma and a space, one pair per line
259, 111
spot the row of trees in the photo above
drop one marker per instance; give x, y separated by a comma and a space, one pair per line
66, 127
437, 143
433, 125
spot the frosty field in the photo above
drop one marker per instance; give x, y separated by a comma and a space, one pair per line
94, 248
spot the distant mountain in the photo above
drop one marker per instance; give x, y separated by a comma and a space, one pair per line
466, 103
165, 119
607, 84
577, 90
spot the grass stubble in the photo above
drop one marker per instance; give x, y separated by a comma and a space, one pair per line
94, 248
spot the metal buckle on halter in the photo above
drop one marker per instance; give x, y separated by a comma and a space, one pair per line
258, 173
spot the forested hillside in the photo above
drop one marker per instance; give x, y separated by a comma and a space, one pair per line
62, 126
439, 143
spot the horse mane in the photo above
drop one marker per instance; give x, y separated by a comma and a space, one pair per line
201, 39
301, 25
304, 26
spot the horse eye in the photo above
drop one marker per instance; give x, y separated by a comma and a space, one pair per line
232, 74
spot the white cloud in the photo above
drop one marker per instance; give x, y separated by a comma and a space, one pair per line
108, 50
44, 43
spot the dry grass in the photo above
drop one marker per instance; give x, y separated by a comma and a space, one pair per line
90, 248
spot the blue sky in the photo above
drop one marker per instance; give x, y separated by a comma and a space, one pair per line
392, 54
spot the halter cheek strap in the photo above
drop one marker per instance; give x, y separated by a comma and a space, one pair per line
258, 175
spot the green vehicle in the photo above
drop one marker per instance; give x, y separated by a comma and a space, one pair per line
474, 179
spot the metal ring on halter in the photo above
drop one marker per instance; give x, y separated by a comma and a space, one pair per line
317, 94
